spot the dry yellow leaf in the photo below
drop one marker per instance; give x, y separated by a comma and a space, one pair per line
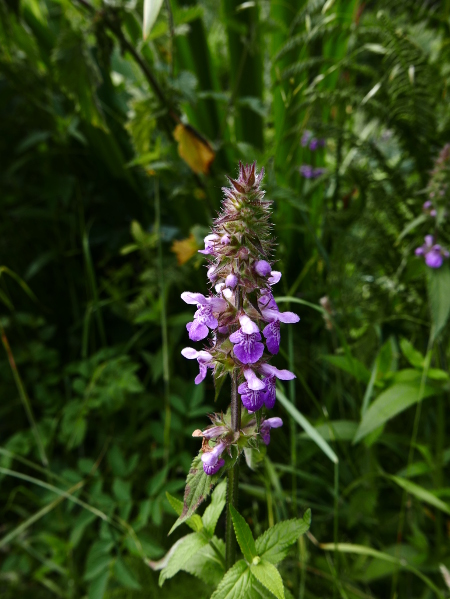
194, 149
184, 249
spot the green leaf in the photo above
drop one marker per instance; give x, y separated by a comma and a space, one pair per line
335, 430
236, 584
181, 553
312, 433
368, 551
269, 576
198, 487
125, 576
414, 357
194, 522
388, 404
98, 586
98, 559
243, 535
421, 493
438, 285
350, 365
214, 509
273, 545
206, 564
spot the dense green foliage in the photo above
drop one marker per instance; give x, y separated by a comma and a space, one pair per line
100, 222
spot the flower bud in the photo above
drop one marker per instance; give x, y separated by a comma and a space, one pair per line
263, 268
231, 281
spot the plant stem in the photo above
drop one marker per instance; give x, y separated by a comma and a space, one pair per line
165, 340
233, 473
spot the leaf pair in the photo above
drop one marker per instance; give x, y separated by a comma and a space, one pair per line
256, 574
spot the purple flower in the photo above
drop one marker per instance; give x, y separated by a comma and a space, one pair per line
318, 172
254, 383
252, 399
283, 375
204, 317
210, 241
263, 268
305, 138
314, 144
212, 461
231, 281
272, 334
434, 254
225, 239
429, 209
275, 276
266, 300
203, 358
270, 392
307, 171
273, 314
248, 348
267, 425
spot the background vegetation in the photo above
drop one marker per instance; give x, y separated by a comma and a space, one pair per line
106, 195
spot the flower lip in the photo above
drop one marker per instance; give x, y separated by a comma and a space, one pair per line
284, 375
253, 382
247, 325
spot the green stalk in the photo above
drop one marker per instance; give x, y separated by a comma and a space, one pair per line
24, 397
165, 339
233, 473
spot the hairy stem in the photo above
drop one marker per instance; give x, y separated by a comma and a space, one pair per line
233, 473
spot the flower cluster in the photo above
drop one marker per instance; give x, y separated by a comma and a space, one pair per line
240, 312
435, 207
313, 143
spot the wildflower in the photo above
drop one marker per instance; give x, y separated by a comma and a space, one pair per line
307, 171
434, 254
212, 462
205, 316
210, 241
267, 425
203, 358
247, 348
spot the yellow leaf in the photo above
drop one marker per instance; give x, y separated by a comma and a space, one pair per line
194, 149
184, 249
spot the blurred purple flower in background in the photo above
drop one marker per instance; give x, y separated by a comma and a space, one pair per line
433, 253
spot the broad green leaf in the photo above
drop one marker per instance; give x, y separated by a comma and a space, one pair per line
368, 551
421, 493
98, 586
438, 285
198, 487
388, 404
182, 553
414, 357
208, 564
307, 427
98, 559
125, 576
273, 545
194, 522
243, 535
350, 365
236, 584
214, 509
269, 576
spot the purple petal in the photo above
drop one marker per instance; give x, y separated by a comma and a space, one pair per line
429, 240
193, 298
272, 334
284, 375
236, 337
214, 431
223, 330
204, 356
419, 251
249, 351
288, 317
217, 303
198, 331
263, 268
252, 400
270, 394
434, 259
253, 382
190, 353
202, 374
210, 470
248, 326
211, 274
273, 422
275, 276
225, 239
